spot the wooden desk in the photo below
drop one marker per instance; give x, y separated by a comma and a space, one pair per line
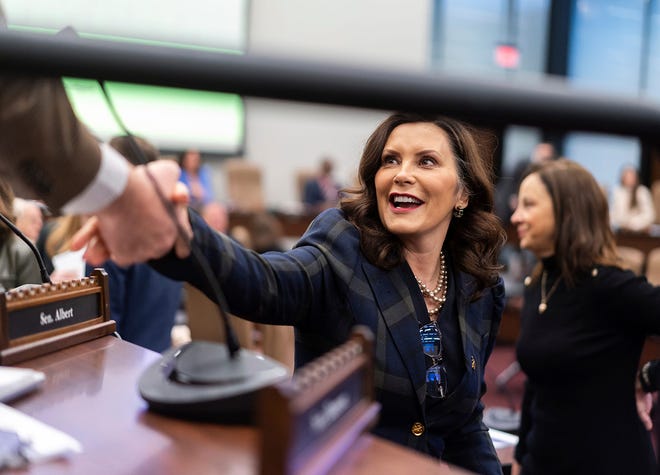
642, 241
91, 394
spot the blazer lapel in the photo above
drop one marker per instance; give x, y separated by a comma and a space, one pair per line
469, 335
396, 305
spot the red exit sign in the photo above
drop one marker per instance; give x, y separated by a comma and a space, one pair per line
507, 56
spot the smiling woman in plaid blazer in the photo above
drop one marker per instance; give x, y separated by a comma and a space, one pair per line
416, 242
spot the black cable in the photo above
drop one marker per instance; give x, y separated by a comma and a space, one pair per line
45, 278
232, 342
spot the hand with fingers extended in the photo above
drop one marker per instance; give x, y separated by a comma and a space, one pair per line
137, 226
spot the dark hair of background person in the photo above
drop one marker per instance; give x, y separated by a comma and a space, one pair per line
122, 144
474, 240
633, 191
266, 232
181, 157
582, 221
6, 208
326, 166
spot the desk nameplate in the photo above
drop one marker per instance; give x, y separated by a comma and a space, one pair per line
311, 421
51, 316
48, 317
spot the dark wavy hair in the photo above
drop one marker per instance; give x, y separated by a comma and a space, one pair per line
474, 240
583, 236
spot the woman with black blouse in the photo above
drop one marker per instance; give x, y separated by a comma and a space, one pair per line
584, 322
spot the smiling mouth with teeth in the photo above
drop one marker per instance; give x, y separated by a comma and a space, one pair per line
401, 201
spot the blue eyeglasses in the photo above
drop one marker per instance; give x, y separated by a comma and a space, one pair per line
436, 375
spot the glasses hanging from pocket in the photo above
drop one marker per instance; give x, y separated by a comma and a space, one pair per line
436, 375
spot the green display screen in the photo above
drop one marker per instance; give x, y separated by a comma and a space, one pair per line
173, 119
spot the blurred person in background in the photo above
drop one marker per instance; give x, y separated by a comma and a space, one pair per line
506, 193
631, 207
322, 191
18, 265
29, 217
197, 178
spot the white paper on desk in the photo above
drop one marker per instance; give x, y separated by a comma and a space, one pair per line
70, 262
15, 382
45, 442
502, 439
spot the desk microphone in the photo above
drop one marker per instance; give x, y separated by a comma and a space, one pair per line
210, 381
202, 380
45, 277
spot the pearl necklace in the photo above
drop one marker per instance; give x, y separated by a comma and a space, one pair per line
439, 294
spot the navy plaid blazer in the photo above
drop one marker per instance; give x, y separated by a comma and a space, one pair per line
324, 287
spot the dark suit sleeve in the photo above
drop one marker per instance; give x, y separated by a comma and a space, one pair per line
45, 152
280, 288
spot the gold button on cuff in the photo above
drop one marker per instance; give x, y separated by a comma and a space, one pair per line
417, 429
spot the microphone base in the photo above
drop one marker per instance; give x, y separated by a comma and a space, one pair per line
200, 381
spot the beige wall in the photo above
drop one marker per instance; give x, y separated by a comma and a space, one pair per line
284, 137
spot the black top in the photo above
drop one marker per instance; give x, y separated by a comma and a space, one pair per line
451, 334
581, 357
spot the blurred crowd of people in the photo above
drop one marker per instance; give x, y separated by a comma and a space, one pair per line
146, 305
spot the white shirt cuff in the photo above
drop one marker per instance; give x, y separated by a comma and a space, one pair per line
108, 184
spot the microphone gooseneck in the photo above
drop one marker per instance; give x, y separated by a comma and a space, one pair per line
233, 345
203, 380
45, 278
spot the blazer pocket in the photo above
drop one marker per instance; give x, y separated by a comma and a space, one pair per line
465, 396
